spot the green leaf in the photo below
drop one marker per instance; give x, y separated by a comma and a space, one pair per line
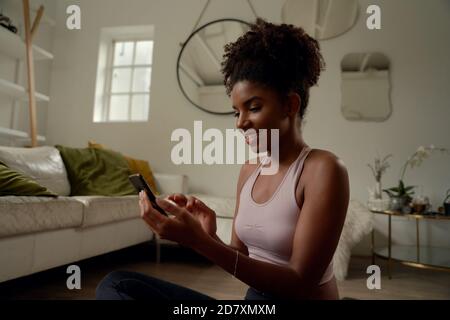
390, 194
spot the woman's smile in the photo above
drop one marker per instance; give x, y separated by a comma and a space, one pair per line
251, 137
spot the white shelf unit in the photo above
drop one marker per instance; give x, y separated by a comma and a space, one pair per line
13, 46
18, 92
18, 134
45, 18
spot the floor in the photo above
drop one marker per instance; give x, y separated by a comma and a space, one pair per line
186, 268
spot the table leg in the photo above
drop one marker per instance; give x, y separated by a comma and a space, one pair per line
389, 247
157, 249
373, 247
417, 240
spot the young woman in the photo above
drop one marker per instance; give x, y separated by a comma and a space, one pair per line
287, 225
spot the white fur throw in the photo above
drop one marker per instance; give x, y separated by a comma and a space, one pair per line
358, 223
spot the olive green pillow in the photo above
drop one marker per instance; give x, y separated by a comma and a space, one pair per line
96, 172
13, 183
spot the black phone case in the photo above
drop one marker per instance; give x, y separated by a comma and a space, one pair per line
138, 181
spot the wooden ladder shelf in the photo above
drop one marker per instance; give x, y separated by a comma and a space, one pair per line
30, 31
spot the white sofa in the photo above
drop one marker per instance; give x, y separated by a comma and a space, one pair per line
39, 233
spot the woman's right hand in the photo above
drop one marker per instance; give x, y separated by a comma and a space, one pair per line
205, 215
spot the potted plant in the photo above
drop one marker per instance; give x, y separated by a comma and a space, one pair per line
447, 203
401, 195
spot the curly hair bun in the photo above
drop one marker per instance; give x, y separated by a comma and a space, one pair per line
283, 57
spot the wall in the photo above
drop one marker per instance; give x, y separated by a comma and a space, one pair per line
414, 36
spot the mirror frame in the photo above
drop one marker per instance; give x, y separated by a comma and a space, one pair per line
179, 58
337, 35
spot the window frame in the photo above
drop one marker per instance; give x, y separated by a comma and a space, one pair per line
110, 67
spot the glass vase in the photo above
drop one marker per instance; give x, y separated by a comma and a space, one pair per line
378, 191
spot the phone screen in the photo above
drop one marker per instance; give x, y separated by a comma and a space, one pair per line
138, 181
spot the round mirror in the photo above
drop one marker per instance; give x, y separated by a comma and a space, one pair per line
321, 19
199, 64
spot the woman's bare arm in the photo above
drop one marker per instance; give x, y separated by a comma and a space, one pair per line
322, 217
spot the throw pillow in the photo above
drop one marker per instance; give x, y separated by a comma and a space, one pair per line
136, 166
13, 183
42, 164
96, 172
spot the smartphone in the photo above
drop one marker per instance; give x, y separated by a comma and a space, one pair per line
138, 181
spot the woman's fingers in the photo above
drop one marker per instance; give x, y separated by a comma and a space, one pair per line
179, 198
143, 204
169, 207
152, 224
149, 214
190, 203
202, 207
195, 205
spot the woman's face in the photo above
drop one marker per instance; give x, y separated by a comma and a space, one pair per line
259, 107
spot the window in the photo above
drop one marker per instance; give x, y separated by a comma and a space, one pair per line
128, 92
124, 68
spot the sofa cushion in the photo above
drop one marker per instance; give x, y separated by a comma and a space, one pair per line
13, 183
135, 166
171, 183
100, 210
20, 215
223, 206
96, 172
43, 164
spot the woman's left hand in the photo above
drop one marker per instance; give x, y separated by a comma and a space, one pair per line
182, 227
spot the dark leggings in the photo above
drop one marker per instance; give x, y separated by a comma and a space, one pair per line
126, 285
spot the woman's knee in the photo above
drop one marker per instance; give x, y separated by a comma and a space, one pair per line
110, 282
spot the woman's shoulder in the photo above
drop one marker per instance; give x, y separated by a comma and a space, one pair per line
318, 155
320, 160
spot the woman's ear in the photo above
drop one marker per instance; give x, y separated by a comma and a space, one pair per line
292, 106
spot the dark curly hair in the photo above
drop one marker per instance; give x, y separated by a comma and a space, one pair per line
283, 57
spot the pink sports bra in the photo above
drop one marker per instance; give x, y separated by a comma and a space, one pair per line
267, 229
